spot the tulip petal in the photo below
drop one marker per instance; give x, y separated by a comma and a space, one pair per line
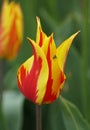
11, 26
59, 78
63, 49
56, 77
41, 38
33, 75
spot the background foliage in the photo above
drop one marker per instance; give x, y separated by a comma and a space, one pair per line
72, 110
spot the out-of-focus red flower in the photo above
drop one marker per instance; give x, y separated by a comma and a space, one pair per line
11, 30
41, 77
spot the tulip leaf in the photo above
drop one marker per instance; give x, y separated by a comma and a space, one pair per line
12, 108
52, 117
72, 117
73, 85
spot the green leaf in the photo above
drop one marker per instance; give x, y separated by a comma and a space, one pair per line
73, 86
52, 117
3, 125
12, 108
72, 117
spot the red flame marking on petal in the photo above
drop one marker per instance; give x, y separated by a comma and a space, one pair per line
48, 95
29, 81
13, 38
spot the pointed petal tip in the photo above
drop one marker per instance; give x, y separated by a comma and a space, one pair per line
52, 34
37, 18
38, 21
32, 42
75, 34
29, 39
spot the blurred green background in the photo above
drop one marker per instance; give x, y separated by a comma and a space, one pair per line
72, 110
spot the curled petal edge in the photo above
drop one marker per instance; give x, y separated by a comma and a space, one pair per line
39, 68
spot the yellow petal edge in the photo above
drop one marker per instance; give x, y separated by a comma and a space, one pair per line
63, 49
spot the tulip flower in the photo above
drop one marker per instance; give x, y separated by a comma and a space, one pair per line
11, 30
41, 77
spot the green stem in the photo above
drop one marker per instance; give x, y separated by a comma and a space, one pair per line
85, 56
2, 72
38, 118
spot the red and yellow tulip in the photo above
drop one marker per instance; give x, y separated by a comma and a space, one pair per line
11, 30
41, 77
